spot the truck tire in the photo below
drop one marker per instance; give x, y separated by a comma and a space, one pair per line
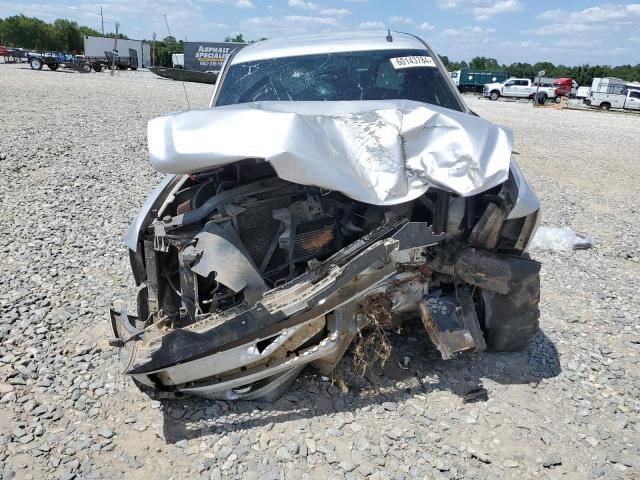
605, 106
86, 68
36, 63
511, 321
540, 98
52, 66
494, 95
558, 99
133, 68
97, 67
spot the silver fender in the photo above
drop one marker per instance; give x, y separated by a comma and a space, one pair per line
527, 201
153, 200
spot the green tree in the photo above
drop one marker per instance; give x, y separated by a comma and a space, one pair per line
67, 36
239, 38
88, 32
483, 63
35, 34
163, 49
121, 36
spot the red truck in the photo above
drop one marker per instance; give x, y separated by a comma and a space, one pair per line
13, 55
565, 87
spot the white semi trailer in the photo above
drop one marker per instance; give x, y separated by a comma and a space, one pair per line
101, 47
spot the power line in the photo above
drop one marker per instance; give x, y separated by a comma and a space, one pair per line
165, 21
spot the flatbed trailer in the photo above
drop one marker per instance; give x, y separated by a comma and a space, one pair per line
121, 63
55, 60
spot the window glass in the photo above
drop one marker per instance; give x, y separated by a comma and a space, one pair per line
389, 77
368, 75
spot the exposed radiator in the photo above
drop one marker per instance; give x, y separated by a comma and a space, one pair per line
258, 229
314, 239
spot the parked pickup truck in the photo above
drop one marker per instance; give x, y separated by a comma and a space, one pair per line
519, 88
627, 100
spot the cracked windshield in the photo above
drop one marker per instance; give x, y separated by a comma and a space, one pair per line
372, 75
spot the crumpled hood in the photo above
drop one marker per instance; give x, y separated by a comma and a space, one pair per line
381, 152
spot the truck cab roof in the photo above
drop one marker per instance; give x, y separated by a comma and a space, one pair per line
327, 43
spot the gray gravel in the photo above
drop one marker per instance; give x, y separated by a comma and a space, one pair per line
74, 172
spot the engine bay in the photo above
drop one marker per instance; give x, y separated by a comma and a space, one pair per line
278, 226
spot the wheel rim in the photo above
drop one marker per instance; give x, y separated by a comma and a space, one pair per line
36, 63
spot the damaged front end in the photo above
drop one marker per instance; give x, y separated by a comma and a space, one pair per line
245, 276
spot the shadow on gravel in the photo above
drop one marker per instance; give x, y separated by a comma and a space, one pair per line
46, 70
414, 368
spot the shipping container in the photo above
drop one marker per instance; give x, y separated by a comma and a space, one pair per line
475, 80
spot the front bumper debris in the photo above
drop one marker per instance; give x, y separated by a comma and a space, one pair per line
256, 351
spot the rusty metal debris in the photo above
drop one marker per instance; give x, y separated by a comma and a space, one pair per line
452, 326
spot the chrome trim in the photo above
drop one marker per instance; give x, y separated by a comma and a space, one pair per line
325, 348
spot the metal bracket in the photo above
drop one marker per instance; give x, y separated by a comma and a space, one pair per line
451, 323
159, 237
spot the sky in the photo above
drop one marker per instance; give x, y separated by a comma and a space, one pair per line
570, 32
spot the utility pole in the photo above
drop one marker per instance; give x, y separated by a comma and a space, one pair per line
115, 51
153, 50
535, 98
102, 20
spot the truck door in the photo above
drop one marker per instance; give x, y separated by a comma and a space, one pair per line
522, 88
633, 100
509, 88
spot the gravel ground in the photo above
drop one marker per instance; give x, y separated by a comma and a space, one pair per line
73, 173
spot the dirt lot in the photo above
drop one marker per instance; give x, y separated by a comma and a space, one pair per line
73, 173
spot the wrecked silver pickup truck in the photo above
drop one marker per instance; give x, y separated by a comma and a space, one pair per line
333, 179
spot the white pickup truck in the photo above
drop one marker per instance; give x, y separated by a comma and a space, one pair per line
627, 100
519, 88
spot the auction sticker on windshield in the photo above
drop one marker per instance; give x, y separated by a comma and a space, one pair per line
412, 62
